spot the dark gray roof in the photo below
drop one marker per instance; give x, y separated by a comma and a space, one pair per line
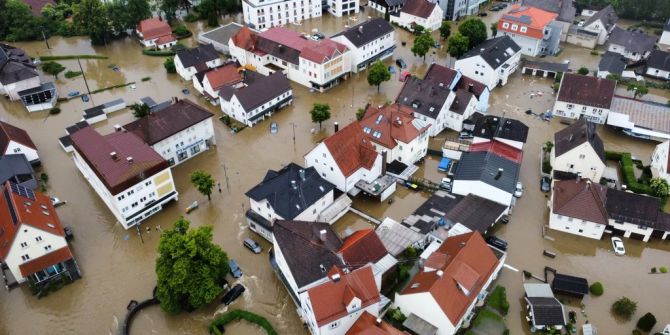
258, 89
426, 218
606, 15
575, 135
308, 257
495, 51
197, 56
367, 31
476, 213
17, 169
15, 65
423, 95
546, 311
659, 60
286, 200
485, 167
547, 66
564, 8
389, 3
612, 62
633, 208
461, 101
276, 49
632, 40
491, 126
570, 285
223, 34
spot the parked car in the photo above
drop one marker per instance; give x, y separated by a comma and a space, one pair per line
545, 184
497, 242
234, 269
519, 190
617, 245
401, 63
465, 135
483, 14
496, 8
391, 69
446, 184
504, 219
233, 294
252, 245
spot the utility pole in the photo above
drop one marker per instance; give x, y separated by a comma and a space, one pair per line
83, 74
45, 37
293, 127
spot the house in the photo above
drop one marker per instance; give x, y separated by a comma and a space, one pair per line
349, 161
454, 278
39, 98
544, 310
578, 207
396, 237
16, 169
635, 216
263, 15
155, 33
491, 62
17, 72
219, 37
364, 247
368, 324
490, 172
177, 132
601, 23
640, 118
292, 193
132, 179
634, 45
579, 150
394, 130
584, 97
611, 63
191, 61
660, 161
369, 41
565, 10
212, 81
33, 244
534, 30
340, 8
431, 102
495, 128
257, 98
419, 12
318, 65
36, 6
454, 10
14, 140
386, 6
658, 64
664, 41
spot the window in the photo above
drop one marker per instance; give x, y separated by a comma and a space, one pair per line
515, 27
334, 325
38, 238
25, 257
524, 29
17, 149
582, 156
182, 155
24, 244
505, 25
47, 248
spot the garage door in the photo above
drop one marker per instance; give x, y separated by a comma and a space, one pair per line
635, 236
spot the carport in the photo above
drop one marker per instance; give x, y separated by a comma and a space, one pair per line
544, 69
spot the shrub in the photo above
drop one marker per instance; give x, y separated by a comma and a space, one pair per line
64, 57
181, 31
498, 300
636, 332
583, 71
664, 269
546, 166
558, 77
506, 331
597, 289
613, 155
169, 65
158, 53
72, 74
595, 53
397, 315
190, 17
653, 270
624, 307
238, 314
54, 111
646, 322
146, 78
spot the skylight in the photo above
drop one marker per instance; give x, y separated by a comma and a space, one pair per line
379, 119
377, 134
367, 130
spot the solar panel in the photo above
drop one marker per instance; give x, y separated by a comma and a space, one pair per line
22, 191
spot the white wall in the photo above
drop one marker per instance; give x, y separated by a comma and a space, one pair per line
424, 306
369, 50
658, 73
407, 153
529, 46
599, 28
573, 111
659, 160
576, 226
12, 90
632, 228
634, 56
431, 23
325, 165
234, 109
482, 189
582, 160
664, 41
18, 148
34, 249
337, 327
188, 73
266, 14
337, 7
192, 140
476, 68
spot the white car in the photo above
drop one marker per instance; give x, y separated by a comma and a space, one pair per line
519, 190
617, 245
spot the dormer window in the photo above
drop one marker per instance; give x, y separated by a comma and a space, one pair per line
515, 27
524, 29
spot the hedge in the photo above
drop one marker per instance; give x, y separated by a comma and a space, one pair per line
238, 314
158, 53
628, 172
63, 57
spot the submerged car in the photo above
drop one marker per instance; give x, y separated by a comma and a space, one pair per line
234, 269
401, 63
519, 190
497, 242
617, 245
545, 184
252, 245
233, 294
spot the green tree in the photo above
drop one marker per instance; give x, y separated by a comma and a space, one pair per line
445, 30
458, 45
118, 14
378, 73
190, 268
494, 28
169, 65
660, 187
169, 7
140, 110
91, 18
203, 182
320, 112
138, 10
475, 30
583, 71
646, 322
418, 29
360, 113
639, 90
597, 289
422, 44
53, 68
624, 307
17, 22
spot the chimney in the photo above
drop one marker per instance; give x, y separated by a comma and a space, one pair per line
471, 88
337, 127
117, 128
336, 277
439, 273
384, 154
301, 172
130, 160
499, 174
294, 185
322, 235
113, 155
378, 322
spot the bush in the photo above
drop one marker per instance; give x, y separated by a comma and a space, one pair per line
597, 289
498, 300
181, 31
54, 111
397, 315
628, 172
158, 53
636, 332
624, 307
169, 65
613, 155
72, 74
664, 269
546, 166
238, 314
583, 71
146, 78
595, 53
190, 17
653, 270
646, 322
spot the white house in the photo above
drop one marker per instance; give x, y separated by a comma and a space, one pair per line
659, 161
664, 41
14, 140
636, 216
457, 9
257, 98
262, 14
611, 63
177, 132
534, 30
506, 130
17, 72
601, 24
383, 6
212, 81
640, 118
578, 207
42, 97
491, 62
419, 12
345, 8
32, 243
658, 64
155, 33
544, 310
584, 97
369, 41
132, 179
191, 61
565, 10
431, 102
579, 150
318, 65
450, 283
632, 44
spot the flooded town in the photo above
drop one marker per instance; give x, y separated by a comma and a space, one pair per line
485, 191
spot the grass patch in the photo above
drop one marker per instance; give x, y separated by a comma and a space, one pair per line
233, 124
64, 57
238, 314
72, 74
484, 315
498, 300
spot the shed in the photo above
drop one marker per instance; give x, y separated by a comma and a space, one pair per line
570, 285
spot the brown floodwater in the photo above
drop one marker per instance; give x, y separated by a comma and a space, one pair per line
117, 266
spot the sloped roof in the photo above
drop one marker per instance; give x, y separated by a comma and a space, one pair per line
290, 46
285, 199
498, 148
485, 167
580, 199
52, 258
225, 75
351, 149
632, 40
427, 216
199, 55
439, 74
420, 8
15, 65
9, 133
471, 85
476, 213
258, 89
245, 38
322, 51
154, 28
366, 32
612, 62
14, 165
361, 248
223, 34
492, 126
547, 311
461, 101
391, 124
425, 97
586, 90
495, 51
638, 209
534, 18
606, 15
564, 8
366, 324
659, 60
577, 134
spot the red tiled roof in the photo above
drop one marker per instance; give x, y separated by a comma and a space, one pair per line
586, 90
225, 75
362, 247
351, 149
498, 148
330, 299
538, 20
395, 125
420, 8
10, 133
439, 74
165, 39
470, 263
28, 211
153, 28
245, 38
52, 258
36, 6
367, 325
322, 51
581, 199
117, 174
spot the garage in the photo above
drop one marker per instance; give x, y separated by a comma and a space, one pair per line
636, 236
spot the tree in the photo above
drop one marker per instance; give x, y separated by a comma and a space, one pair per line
458, 45
190, 268
422, 44
660, 187
445, 30
138, 10
418, 29
360, 113
494, 28
140, 110
583, 71
646, 322
597, 289
17, 22
118, 14
203, 182
53, 68
91, 18
169, 7
639, 90
624, 307
169, 65
320, 112
475, 30
378, 73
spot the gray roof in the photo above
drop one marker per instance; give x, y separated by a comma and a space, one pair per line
367, 31
494, 126
547, 66
577, 134
667, 26
396, 237
606, 15
612, 62
633, 208
258, 89
423, 95
197, 56
643, 113
17, 169
538, 290
15, 65
425, 218
222, 34
564, 8
546, 311
419, 326
659, 60
286, 200
476, 213
632, 40
389, 3
495, 51
485, 167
